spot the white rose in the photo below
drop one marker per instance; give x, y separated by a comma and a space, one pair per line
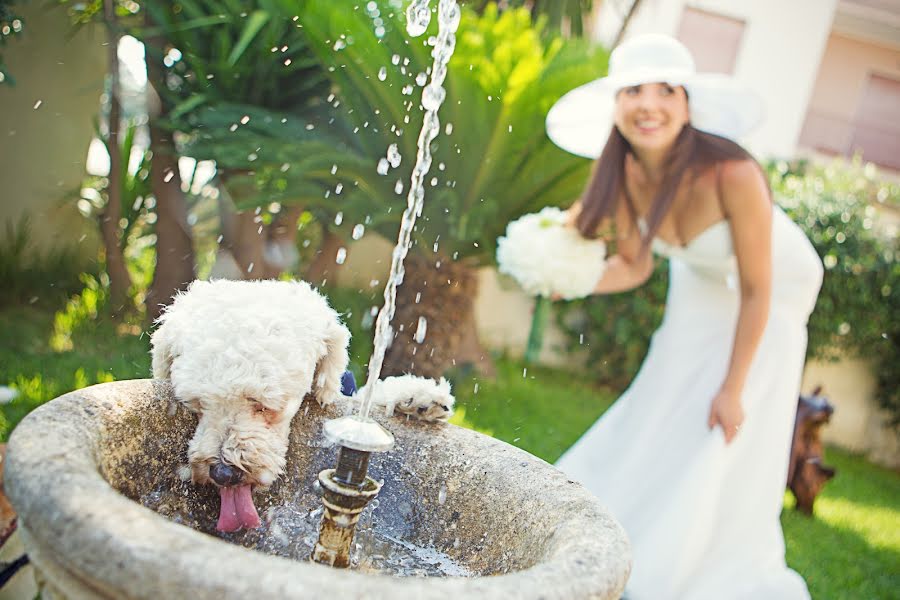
545, 257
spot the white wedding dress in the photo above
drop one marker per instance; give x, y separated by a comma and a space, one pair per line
703, 517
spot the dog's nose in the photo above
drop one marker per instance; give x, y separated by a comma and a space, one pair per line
225, 475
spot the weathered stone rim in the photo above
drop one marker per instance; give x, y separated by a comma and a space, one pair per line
74, 522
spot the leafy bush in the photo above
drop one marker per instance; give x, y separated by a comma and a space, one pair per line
837, 207
856, 315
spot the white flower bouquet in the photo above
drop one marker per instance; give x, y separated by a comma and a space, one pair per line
545, 257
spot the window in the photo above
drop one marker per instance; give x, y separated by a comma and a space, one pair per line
876, 129
713, 39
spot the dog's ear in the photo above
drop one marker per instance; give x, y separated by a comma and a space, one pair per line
331, 367
162, 352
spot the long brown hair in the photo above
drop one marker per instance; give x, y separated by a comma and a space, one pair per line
693, 150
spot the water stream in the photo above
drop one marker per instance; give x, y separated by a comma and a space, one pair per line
418, 16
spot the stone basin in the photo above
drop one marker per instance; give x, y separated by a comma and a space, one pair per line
103, 512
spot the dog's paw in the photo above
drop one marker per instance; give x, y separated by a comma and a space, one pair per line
426, 409
417, 397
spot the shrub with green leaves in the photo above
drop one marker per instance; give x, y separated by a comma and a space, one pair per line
837, 206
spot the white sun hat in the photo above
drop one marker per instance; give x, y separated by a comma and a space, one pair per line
581, 120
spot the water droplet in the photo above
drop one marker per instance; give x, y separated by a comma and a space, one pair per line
382, 73
421, 329
339, 188
340, 45
358, 230
333, 169
383, 166
421, 79
339, 218
408, 89
245, 119
395, 59
398, 187
524, 372
418, 16
393, 156
37, 104
341, 256
442, 495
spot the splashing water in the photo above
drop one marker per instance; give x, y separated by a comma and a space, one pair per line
393, 156
418, 16
421, 329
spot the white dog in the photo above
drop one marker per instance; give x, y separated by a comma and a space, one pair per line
243, 355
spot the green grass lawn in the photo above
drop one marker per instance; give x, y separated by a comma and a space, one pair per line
850, 550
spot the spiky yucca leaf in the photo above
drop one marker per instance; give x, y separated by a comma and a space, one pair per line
497, 163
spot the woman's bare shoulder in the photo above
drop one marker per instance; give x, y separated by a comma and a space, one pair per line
741, 172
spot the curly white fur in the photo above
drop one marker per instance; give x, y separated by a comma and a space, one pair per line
243, 355
546, 257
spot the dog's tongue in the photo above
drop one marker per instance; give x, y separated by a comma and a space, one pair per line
237, 509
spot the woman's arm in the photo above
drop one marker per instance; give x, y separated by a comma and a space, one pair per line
748, 207
629, 267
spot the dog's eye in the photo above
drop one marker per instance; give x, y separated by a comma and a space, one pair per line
258, 407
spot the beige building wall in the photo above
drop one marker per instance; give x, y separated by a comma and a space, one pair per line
46, 124
840, 84
858, 424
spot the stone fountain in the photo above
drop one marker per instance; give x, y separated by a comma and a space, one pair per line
103, 513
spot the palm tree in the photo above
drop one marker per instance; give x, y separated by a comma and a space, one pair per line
494, 161
220, 56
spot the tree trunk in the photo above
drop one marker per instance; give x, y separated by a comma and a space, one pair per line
174, 243
119, 278
442, 293
175, 265
261, 251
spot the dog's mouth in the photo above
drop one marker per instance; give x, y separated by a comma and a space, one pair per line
237, 510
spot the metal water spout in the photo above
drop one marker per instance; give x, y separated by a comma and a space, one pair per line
347, 488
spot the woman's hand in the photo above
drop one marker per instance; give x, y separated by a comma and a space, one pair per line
726, 412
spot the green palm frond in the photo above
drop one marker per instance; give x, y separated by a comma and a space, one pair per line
497, 163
